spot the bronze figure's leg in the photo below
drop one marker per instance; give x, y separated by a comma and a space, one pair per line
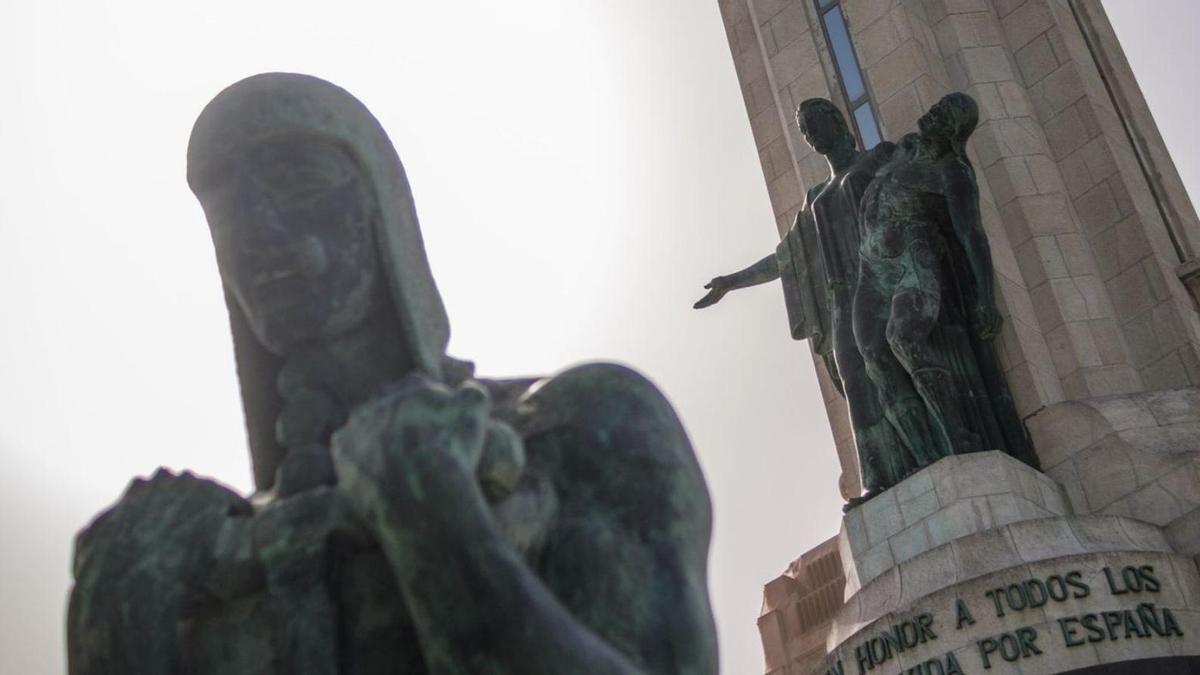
902, 405
882, 457
916, 305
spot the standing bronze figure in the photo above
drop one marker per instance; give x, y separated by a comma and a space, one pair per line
887, 270
925, 313
818, 261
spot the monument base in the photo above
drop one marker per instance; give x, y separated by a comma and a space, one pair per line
953, 498
980, 563
1050, 595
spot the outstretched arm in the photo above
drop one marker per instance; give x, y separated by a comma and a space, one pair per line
760, 272
962, 199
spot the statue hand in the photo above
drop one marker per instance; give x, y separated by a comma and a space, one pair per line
410, 451
718, 287
987, 320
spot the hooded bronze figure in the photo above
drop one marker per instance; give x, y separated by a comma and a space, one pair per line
409, 518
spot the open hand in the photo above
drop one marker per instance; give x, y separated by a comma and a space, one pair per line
718, 287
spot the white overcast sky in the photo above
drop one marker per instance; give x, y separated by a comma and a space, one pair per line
581, 168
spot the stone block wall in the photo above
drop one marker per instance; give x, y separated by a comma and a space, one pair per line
1136, 456
1067, 302
797, 609
1135, 215
955, 497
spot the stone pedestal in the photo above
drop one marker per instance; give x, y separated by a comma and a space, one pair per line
982, 563
954, 498
1046, 596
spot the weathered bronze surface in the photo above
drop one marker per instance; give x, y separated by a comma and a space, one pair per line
817, 261
410, 518
887, 270
925, 313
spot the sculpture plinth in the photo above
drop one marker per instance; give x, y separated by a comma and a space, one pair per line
954, 498
982, 563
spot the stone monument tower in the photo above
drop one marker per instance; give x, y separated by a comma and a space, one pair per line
1083, 559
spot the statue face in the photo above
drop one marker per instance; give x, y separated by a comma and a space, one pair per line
822, 131
292, 227
938, 121
954, 118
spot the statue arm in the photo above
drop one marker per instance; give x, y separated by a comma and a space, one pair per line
766, 269
637, 508
476, 603
143, 566
962, 198
760, 272
477, 606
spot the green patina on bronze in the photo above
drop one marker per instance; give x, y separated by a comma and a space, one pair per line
887, 270
410, 518
925, 314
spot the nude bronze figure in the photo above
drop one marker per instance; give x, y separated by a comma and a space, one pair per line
925, 313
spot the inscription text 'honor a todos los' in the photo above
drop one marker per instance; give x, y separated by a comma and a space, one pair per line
881, 647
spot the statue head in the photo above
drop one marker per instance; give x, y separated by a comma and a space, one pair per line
315, 231
292, 220
953, 119
823, 126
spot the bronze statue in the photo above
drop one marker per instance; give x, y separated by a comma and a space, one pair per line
925, 313
410, 518
818, 263
887, 270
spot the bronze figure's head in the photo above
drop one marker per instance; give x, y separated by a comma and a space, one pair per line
823, 126
292, 223
953, 118
315, 232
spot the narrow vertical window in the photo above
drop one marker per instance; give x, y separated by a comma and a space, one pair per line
854, 87
843, 54
868, 131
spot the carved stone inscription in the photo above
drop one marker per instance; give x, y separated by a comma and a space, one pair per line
1146, 621
880, 647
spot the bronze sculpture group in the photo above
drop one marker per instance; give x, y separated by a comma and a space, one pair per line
412, 518
887, 271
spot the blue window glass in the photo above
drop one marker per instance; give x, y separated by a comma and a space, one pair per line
837, 36
868, 130
843, 52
